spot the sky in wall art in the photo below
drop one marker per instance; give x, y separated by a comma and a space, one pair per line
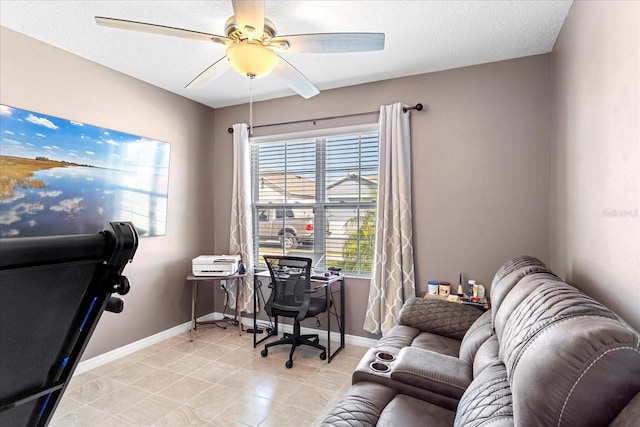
59, 176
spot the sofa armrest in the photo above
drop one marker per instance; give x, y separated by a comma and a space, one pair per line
438, 373
361, 406
438, 317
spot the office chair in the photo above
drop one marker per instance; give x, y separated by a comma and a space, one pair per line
291, 297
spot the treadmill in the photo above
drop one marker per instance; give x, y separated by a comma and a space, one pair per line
53, 291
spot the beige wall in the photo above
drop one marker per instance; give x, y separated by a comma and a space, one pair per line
595, 238
488, 168
480, 164
480, 160
39, 77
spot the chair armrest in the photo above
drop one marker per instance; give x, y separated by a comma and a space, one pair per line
443, 318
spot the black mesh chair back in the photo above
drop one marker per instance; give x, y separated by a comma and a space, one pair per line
292, 296
290, 279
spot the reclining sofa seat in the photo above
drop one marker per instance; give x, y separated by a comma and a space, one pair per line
545, 354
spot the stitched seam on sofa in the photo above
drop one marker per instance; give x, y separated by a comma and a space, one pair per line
531, 339
585, 371
533, 306
359, 404
426, 375
495, 420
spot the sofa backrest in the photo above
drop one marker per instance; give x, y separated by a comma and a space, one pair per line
515, 264
520, 285
569, 360
510, 275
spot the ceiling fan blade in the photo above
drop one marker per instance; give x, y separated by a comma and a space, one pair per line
217, 69
249, 15
329, 42
160, 29
294, 79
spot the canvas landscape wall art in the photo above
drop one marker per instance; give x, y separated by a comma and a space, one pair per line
58, 176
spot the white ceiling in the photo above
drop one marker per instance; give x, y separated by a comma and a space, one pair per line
421, 37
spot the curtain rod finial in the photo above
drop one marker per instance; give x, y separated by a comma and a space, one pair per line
230, 130
417, 107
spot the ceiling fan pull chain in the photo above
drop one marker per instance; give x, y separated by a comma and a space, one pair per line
251, 77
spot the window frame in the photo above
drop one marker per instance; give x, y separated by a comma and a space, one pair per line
320, 205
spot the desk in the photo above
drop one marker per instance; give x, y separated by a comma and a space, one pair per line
329, 291
195, 281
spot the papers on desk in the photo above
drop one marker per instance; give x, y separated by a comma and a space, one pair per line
326, 277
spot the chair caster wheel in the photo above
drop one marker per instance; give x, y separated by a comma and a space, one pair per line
264, 353
289, 364
323, 355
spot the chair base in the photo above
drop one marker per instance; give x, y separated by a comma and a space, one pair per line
296, 340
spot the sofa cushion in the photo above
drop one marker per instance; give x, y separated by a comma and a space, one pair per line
437, 343
398, 336
370, 404
477, 334
408, 411
401, 336
486, 355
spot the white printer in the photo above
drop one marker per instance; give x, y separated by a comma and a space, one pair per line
215, 265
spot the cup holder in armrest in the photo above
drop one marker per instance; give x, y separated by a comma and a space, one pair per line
386, 357
380, 367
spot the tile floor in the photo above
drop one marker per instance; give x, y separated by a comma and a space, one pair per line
217, 380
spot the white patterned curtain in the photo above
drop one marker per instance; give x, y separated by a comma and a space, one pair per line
241, 233
393, 279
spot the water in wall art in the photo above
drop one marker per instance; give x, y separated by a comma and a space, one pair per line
59, 176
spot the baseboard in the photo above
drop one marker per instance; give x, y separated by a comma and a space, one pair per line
128, 349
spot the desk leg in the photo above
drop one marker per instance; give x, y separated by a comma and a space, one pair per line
239, 294
340, 322
255, 318
256, 300
194, 296
329, 298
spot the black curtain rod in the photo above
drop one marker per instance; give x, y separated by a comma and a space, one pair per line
417, 107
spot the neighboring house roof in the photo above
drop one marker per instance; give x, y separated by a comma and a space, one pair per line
301, 188
297, 186
371, 180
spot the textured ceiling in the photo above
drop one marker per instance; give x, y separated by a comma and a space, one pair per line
421, 37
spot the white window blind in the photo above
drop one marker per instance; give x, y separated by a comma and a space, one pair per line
317, 195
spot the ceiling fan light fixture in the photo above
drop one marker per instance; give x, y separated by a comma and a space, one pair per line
252, 59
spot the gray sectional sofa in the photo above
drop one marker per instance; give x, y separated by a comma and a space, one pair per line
544, 355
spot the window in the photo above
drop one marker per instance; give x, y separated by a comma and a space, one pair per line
315, 193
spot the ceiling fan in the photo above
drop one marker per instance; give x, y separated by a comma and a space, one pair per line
252, 45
